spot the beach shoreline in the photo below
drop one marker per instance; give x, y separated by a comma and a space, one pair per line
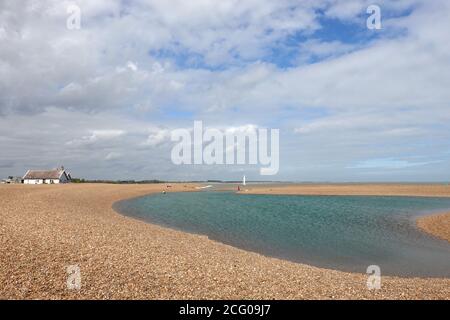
353, 189
47, 228
437, 225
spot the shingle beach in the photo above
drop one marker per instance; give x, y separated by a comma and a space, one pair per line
44, 229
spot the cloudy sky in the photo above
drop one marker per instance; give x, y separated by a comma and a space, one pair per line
352, 104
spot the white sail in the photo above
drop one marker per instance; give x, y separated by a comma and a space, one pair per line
243, 181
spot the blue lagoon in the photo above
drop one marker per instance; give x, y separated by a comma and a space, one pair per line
346, 233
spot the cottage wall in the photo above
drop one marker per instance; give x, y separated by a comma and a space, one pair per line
33, 181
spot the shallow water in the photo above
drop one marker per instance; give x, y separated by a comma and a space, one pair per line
340, 232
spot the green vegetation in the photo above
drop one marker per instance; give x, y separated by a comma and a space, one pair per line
78, 180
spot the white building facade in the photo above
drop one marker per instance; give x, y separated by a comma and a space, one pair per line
46, 176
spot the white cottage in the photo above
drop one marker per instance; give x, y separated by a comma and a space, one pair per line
46, 176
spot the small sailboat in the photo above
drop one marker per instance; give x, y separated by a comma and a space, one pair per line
243, 181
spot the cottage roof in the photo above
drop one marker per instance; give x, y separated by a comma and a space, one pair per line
44, 174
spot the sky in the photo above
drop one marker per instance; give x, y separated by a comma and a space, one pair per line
351, 103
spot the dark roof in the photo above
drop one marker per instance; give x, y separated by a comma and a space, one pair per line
44, 174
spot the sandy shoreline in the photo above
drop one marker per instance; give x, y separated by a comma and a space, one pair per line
413, 190
44, 229
437, 225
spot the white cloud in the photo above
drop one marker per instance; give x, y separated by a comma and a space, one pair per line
113, 156
94, 92
389, 163
132, 66
248, 128
157, 137
97, 136
318, 49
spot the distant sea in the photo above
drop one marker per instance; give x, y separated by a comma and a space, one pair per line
346, 233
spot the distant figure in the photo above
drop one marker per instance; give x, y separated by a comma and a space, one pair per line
239, 188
